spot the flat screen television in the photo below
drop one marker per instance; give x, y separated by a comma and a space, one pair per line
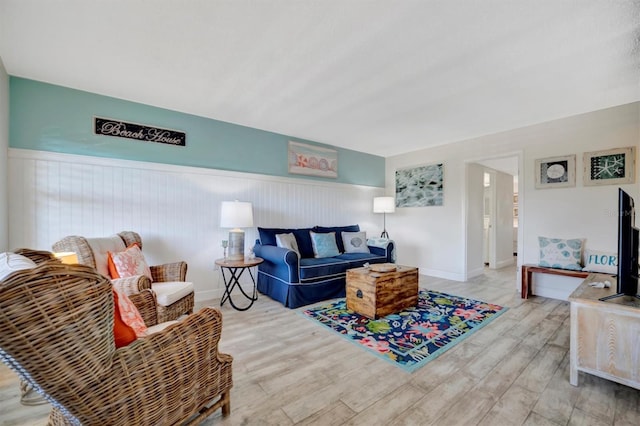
628, 237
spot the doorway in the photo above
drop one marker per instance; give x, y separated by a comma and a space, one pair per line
492, 213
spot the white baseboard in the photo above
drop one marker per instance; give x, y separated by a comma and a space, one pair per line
442, 274
474, 273
207, 295
504, 263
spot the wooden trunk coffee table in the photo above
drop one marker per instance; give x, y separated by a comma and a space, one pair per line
377, 294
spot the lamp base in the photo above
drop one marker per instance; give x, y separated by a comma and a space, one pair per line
236, 245
384, 234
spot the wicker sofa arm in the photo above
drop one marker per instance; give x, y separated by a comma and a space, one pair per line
195, 336
150, 370
37, 256
146, 303
132, 285
176, 271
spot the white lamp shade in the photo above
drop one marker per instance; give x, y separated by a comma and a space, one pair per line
236, 214
384, 205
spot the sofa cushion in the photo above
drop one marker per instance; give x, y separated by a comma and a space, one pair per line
160, 327
355, 242
170, 292
312, 269
324, 245
288, 241
303, 238
357, 260
338, 230
101, 247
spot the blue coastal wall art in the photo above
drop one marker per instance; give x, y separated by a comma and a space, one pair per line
420, 186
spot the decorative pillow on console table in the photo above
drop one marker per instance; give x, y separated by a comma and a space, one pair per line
600, 261
287, 241
355, 242
561, 254
324, 244
128, 263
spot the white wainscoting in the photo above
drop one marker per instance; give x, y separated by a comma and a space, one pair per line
174, 208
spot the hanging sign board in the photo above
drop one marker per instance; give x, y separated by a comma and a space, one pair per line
122, 129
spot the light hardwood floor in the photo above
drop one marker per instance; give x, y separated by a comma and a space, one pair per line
289, 370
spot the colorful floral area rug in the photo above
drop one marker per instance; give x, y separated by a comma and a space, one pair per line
413, 337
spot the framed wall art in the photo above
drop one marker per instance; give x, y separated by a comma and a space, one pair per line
610, 167
311, 160
420, 186
556, 172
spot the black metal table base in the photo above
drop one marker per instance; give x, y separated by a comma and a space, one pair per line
233, 281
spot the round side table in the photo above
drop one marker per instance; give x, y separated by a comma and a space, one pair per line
235, 269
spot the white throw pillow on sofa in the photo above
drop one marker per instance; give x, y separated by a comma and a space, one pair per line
355, 242
288, 241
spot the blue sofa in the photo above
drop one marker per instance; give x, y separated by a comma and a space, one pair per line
297, 281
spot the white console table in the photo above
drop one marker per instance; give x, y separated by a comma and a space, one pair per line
605, 336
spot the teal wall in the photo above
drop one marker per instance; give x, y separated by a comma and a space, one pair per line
46, 117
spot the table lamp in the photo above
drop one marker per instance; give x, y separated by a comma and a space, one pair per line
384, 205
67, 257
236, 215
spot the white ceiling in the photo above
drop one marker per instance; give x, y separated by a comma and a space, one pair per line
379, 76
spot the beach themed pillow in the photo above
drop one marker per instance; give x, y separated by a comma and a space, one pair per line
129, 314
355, 242
324, 244
123, 334
128, 263
287, 241
600, 261
559, 253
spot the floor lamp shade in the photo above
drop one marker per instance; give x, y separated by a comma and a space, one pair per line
236, 215
384, 205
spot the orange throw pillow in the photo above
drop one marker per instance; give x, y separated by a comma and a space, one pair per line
128, 263
122, 333
131, 315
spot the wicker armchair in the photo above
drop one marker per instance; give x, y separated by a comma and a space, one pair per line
28, 395
56, 332
168, 279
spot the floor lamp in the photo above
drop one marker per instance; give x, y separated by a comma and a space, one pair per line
384, 205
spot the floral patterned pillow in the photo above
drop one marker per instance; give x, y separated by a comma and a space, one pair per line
130, 315
128, 263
